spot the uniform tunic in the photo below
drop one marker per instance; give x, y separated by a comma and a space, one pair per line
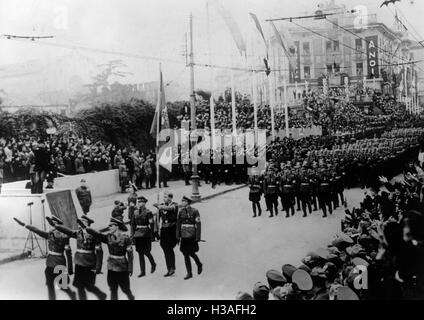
142, 228
189, 229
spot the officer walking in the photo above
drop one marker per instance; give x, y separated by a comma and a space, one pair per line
305, 193
85, 259
324, 195
270, 191
142, 231
167, 216
255, 193
59, 248
120, 262
189, 235
287, 193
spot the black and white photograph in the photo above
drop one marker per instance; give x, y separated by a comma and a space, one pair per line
212, 150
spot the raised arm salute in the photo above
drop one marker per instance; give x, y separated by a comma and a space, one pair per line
85, 259
58, 245
120, 261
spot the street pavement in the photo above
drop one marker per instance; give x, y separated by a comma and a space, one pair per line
237, 253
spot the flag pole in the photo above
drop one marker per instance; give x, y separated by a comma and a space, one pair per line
158, 117
194, 178
211, 102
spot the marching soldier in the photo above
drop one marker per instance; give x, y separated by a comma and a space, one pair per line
270, 191
314, 189
189, 234
59, 254
132, 201
142, 231
287, 193
255, 193
85, 260
84, 196
305, 193
167, 217
120, 262
324, 195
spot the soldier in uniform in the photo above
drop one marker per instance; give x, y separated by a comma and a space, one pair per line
84, 196
189, 234
305, 193
120, 262
271, 192
59, 254
142, 231
324, 195
287, 193
255, 193
167, 216
132, 201
85, 260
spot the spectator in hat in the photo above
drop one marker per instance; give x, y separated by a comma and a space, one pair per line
84, 196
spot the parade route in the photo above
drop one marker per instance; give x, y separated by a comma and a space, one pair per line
237, 253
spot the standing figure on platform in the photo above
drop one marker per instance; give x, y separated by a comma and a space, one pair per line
143, 228
255, 193
120, 262
86, 262
167, 218
59, 254
189, 235
84, 196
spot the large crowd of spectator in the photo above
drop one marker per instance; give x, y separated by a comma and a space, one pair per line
379, 253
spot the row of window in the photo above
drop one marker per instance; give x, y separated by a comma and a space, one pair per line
333, 68
331, 46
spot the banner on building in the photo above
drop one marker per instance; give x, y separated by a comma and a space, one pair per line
372, 57
295, 70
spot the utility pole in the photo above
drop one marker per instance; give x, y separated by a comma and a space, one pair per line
195, 196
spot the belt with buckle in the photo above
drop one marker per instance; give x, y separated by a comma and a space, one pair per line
85, 251
52, 253
187, 225
116, 257
142, 227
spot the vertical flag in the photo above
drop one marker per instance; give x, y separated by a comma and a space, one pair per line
258, 26
161, 122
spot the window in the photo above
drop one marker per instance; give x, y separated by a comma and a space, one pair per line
328, 46
336, 67
307, 72
359, 69
336, 44
306, 48
329, 68
358, 44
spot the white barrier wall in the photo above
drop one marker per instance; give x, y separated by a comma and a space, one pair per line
12, 235
101, 184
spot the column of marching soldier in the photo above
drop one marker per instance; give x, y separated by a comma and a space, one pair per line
299, 186
172, 225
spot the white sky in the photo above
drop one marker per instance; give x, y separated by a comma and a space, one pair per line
151, 27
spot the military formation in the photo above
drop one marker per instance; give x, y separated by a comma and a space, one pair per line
173, 224
320, 175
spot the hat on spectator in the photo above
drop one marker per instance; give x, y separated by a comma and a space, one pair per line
302, 279
142, 199
288, 271
345, 293
260, 291
275, 278
243, 296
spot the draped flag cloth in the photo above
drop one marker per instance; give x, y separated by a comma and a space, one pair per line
288, 47
234, 28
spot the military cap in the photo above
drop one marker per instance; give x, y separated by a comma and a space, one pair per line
187, 199
288, 271
260, 291
305, 268
302, 279
87, 219
83, 180
345, 237
116, 202
345, 293
142, 199
275, 278
119, 223
243, 296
